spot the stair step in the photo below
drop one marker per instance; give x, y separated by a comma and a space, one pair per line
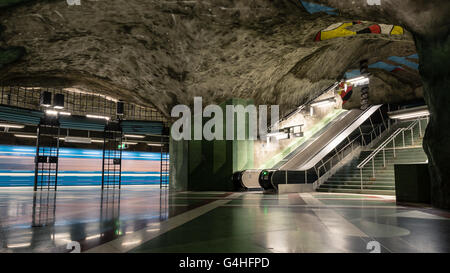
369, 183
373, 187
348, 178
379, 192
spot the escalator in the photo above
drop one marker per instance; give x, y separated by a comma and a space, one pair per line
304, 166
317, 149
309, 141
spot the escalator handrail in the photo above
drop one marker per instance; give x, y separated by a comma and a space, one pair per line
340, 132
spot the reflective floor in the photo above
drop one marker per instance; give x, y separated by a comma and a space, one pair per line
147, 219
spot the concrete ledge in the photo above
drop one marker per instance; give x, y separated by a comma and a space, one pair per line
294, 188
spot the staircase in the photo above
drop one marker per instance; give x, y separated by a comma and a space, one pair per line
408, 149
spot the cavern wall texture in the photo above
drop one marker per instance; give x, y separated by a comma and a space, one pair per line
164, 53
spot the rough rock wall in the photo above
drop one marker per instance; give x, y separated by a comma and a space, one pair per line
435, 70
166, 52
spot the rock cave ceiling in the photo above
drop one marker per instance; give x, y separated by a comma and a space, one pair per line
163, 53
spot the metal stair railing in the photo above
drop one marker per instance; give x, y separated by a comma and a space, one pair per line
352, 145
382, 147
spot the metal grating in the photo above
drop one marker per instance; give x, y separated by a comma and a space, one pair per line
44, 208
164, 166
78, 103
47, 156
112, 157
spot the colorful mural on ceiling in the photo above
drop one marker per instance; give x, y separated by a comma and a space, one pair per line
392, 64
314, 8
396, 63
341, 30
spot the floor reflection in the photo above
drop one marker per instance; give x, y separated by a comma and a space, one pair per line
44, 208
47, 221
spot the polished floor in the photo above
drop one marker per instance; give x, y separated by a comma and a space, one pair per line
148, 219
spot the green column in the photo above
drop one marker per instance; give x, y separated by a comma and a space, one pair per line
203, 165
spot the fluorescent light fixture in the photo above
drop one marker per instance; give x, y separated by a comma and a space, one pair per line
96, 140
65, 113
83, 140
134, 136
410, 113
282, 136
155, 144
274, 134
25, 136
129, 143
51, 112
96, 116
16, 126
323, 102
361, 80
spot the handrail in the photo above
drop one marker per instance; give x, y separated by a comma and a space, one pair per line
301, 107
375, 133
377, 150
343, 149
382, 148
385, 143
341, 131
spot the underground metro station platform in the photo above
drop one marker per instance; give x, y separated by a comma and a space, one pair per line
224, 127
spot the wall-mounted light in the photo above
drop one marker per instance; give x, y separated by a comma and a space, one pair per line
410, 113
129, 143
361, 80
59, 101
82, 140
274, 134
282, 136
25, 136
64, 113
134, 136
15, 126
98, 117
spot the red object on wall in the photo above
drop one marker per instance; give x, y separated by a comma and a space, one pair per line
375, 29
318, 36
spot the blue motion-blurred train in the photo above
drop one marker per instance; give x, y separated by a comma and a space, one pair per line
77, 167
